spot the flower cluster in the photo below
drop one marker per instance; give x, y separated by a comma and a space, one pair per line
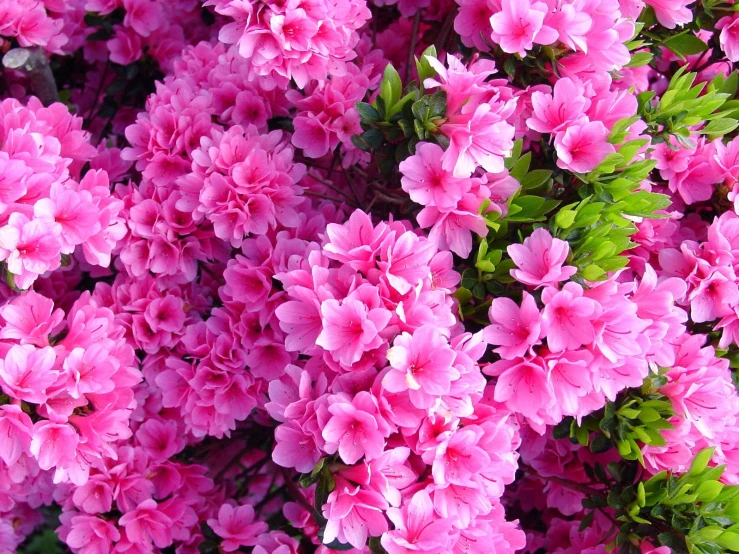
412, 276
47, 209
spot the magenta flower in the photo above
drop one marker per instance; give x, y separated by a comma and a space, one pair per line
30, 319
515, 330
146, 524
567, 105
417, 528
16, 428
355, 428
540, 260
92, 535
350, 329
236, 526
568, 317
423, 364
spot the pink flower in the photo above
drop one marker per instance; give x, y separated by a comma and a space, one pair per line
143, 16
29, 247
729, 37
350, 329
568, 317
160, 439
514, 329
522, 385
422, 364
539, 260
27, 372
92, 535
16, 428
566, 106
427, 183
237, 527
458, 459
671, 13
417, 528
294, 30
125, 46
483, 138
146, 524
519, 24
582, 147
355, 428
30, 318
53, 444
353, 514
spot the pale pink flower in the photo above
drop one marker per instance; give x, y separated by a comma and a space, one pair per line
564, 107
92, 535
540, 260
53, 444
30, 318
522, 385
15, 428
483, 138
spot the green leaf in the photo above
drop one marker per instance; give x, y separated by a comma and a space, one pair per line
700, 462
639, 59
391, 87
686, 45
708, 490
729, 541
367, 112
423, 67
535, 178
719, 127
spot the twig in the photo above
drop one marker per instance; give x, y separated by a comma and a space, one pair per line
446, 28
295, 493
329, 185
231, 462
98, 91
325, 197
412, 47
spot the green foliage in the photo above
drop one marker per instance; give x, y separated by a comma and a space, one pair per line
693, 512
400, 118
636, 418
686, 104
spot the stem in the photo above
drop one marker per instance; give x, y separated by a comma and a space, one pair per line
329, 185
412, 47
326, 197
446, 28
32, 62
295, 493
579, 487
230, 464
98, 91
